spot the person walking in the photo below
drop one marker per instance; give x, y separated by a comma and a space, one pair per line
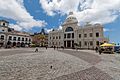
36, 50
96, 49
54, 47
100, 51
46, 47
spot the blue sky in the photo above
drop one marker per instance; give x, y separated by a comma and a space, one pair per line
114, 30
32, 15
36, 10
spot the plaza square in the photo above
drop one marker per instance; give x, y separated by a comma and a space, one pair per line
59, 40
67, 64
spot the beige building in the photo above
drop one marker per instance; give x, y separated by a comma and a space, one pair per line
10, 37
88, 36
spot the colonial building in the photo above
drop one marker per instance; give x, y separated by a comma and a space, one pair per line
11, 38
88, 36
40, 39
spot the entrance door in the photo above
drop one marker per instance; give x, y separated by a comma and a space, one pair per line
68, 44
1, 44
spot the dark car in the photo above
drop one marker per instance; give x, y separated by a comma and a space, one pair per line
117, 49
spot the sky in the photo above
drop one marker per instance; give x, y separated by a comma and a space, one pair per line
33, 15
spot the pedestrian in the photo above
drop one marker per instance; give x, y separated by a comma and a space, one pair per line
96, 49
36, 50
100, 51
46, 47
54, 47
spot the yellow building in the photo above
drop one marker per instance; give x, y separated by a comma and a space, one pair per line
40, 39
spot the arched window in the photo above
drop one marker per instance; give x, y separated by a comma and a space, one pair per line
68, 29
2, 37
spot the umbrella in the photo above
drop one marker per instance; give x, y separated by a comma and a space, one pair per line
107, 45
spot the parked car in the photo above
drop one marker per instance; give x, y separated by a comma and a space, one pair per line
117, 49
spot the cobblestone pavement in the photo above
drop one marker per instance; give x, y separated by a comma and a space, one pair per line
25, 64
91, 73
36, 66
13, 52
90, 58
108, 63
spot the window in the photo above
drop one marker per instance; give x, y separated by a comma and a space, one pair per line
85, 35
79, 35
59, 37
9, 29
50, 37
56, 37
68, 35
29, 40
85, 43
53, 43
72, 35
26, 39
97, 43
2, 37
14, 38
91, 43
18, 38
22, 39
91, 35
3, 24
53, 37
68, 29
10, 37
97, 34
64, 35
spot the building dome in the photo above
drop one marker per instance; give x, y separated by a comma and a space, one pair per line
71, 18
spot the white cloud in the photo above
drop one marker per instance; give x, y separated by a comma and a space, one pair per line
16, 27
59, 5
48, 30
60, 27
31, 24
107, 30
94, 11
14, 9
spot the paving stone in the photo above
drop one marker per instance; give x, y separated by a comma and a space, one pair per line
90, 58
86, 75
25, 64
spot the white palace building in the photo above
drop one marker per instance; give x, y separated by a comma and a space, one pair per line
87, 37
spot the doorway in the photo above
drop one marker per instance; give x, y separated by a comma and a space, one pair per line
68, 44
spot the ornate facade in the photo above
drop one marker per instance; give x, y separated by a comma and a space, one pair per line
88, 36
40, 39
